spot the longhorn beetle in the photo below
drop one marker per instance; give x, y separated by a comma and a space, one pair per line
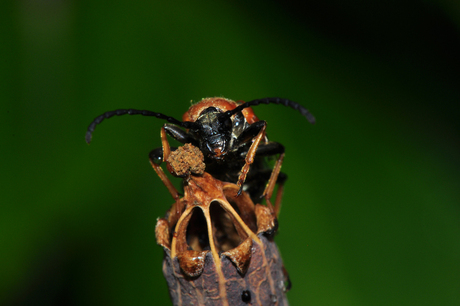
231, 138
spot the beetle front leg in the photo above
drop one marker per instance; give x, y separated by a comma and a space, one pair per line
157, 157
154, 158
179, 134
260, 127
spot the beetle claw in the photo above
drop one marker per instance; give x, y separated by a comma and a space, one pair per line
239, 191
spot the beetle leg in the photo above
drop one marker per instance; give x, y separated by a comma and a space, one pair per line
179, 134
156, 160
172, 190
270, 149
165, 144
250, 133
271, 186
249, 159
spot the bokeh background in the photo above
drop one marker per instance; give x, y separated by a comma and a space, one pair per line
371, 212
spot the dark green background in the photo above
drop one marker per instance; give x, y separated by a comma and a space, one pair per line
371, 210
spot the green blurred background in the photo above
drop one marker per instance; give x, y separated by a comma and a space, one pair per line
371, 212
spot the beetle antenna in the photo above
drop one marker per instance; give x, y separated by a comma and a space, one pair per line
285, 102
119, 112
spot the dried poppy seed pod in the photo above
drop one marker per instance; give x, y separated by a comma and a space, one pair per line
217, 252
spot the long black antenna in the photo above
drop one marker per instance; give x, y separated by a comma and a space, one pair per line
119, 112
285, 102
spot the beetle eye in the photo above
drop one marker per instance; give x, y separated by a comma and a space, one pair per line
238, 123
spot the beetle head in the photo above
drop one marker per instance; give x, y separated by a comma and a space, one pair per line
213, 130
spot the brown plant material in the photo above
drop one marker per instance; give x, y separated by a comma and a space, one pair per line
265, 221
219, 253
162, 233
186, 160
241, 256
264, 279
192, 262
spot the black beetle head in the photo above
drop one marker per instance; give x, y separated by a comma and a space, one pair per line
213, 129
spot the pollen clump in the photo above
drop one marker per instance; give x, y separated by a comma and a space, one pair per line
186, 160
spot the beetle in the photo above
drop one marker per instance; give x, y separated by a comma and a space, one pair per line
231, 138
